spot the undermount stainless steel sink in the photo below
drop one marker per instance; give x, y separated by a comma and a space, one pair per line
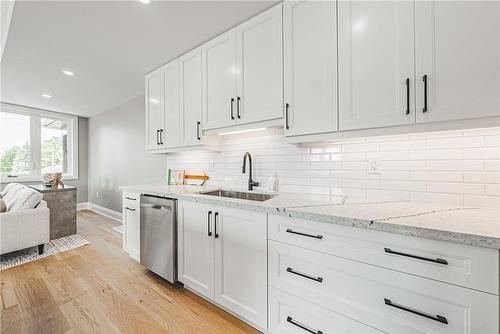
239, 195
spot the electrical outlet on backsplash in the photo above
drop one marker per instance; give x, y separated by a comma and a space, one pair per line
452, 167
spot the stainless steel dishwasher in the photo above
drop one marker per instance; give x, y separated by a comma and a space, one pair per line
159, 236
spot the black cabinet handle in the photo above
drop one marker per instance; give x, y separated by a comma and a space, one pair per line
161, 136
129, 209
317, 279
436, 260
287, 106
407, 96
438, 318
232, 107
318, 236
238, 107
198, 130
304, 327
130, 198
209, 232
424, 79
216, 234
157, 137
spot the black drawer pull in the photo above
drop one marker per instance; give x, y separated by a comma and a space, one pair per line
317, 279
232, 107
319, 236
129, 208
209, 232
438, 318
287, 125
407, 81
304, 327
436, 260
198, 130
424, 79
130, 198
216, 221
238, 107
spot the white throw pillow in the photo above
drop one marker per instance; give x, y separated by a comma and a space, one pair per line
10, 192
26, 199
8, 187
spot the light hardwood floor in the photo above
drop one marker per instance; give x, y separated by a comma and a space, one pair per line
98, 289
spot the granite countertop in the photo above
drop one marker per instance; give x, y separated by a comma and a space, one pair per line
464, 225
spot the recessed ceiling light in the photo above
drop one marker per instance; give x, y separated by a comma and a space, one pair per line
69, 73
145, 1
48, 96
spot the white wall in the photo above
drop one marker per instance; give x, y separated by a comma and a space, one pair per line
457, 167
117, 154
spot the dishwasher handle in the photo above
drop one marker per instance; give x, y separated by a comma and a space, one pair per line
157, 207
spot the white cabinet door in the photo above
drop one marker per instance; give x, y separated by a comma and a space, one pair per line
169, 136
154, 109
458, 49
260, 68
190, 97
195, 247
131, 224
219, 81
241, 263
376, 64
310, 44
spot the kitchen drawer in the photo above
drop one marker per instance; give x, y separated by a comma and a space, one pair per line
388, 300
468, 266
131, 200
289, 314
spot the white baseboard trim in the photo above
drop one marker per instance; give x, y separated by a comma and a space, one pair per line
100, 210
82, 206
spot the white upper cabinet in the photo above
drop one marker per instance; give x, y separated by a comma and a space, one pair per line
154, 109
376, 64
190, 97
260, 68
219, 81
310, 63
169, 136
458, 50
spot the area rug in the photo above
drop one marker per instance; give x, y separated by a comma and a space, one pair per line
31, 254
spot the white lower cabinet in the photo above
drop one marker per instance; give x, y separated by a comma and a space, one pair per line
388, 300
131, 217
222, 255
289, 314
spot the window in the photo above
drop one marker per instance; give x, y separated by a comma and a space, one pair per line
34, 142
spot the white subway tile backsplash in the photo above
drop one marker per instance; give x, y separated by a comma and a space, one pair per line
437, 176
482, 201
487, 153
482, 177
387, 195
492, 165
455, 188
454, 167
437, 154
455, 142
492, 140
454, 199
403, 185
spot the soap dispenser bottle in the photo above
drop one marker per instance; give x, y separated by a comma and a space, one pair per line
274, 183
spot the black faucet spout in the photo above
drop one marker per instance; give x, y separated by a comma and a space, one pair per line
251, 183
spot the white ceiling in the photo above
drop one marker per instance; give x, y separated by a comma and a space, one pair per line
109, 45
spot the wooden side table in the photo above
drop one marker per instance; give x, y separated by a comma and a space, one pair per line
62, 205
